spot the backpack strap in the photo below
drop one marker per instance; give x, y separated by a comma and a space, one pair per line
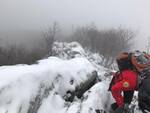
139, 67
135, 63
130, 56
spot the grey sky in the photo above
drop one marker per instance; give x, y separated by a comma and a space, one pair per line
36, 14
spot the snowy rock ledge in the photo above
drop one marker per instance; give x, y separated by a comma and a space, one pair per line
41, 88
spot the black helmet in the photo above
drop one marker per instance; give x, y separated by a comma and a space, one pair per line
123, 61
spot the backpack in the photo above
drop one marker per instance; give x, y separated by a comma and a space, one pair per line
141, 61
137, 61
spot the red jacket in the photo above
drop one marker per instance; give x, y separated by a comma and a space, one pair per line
124, 81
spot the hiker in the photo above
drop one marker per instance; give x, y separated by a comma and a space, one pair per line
141, 62
144, 95
125, 80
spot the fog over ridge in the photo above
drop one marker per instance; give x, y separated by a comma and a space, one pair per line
25, 16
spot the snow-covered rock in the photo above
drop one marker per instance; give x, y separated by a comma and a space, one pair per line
21, 85
71, 50
68, 50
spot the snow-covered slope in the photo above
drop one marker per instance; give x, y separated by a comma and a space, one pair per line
43, 87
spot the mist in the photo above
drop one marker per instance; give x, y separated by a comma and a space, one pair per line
21, 21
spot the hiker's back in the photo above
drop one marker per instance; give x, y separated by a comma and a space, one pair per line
144, 95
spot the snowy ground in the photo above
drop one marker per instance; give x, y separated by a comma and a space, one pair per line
40, 88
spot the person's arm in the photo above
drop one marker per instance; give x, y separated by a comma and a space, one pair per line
116, 93
113, 80
111, 84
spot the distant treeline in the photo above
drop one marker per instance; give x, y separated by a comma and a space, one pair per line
19, 54
16, 54
107, 42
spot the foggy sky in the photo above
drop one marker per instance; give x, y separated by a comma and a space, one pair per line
36, 14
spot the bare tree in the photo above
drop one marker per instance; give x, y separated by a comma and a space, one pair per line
115, 41
106, 42
18, 54
87, 36
49, 37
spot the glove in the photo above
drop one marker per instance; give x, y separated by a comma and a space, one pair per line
119, 110
123, 109
114, 106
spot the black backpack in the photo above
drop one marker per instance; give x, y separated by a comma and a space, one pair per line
144, 95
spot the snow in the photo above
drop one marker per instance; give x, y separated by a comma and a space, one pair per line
19, 84
54, 104
98, 98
